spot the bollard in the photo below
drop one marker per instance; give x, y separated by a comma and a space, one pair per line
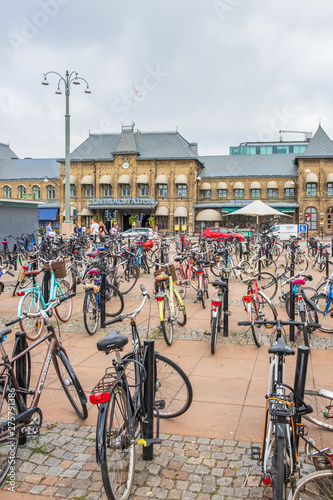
300, 379
149, 397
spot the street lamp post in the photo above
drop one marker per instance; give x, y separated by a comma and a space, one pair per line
67, 80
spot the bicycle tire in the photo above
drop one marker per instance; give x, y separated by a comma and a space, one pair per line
166, 322
180, 283
268, 284
310, 313
63, 310
179, 308
263, 309
9, 439
127, 278
119, 463
31, 303
114, 301
213, 339
91, 312
71, 278
326, 321
322, 405
278, 469
317, 485
219, 315
70, 384
301, 262
172, 385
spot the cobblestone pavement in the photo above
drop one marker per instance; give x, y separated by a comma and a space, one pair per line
61, 463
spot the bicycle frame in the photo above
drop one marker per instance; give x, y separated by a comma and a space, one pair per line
54, 286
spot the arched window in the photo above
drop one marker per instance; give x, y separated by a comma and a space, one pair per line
36, 192
311, 218
107, 190
21, 191
7, 191
72, 191
89, 190
50, 192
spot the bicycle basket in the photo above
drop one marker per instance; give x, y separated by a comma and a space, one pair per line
147, 245
171, 269
58, 267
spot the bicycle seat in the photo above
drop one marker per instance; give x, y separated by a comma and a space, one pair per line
299, 282
91, 254
112, 341
93, 271
281, 348
307, 277
200, 261
32, 273
220, 283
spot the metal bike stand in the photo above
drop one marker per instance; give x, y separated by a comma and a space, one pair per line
102, 292
292, 298
226, 309
149, 397
300, 379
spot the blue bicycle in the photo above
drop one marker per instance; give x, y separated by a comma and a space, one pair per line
324, 303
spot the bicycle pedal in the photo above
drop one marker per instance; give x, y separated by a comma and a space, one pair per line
255, 452
207, 332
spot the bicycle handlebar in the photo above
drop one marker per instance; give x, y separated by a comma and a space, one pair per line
121, 317
275, 322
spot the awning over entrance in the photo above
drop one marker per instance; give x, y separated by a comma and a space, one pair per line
180, 212
161, 210
47, 213
209, 215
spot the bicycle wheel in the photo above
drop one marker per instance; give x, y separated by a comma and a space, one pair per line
118, 466
315, 486
279, 465
166, 322
172, 386
91, 312
213, 339
127, 276
301, 262
63, 310
31, 303
325, 318
267, 264
181, 283
71, 278
114, 301
70, 384
180, 310
268, 284
310, 312
261, 309
322, 404
9, 438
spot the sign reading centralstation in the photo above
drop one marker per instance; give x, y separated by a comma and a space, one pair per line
121, 201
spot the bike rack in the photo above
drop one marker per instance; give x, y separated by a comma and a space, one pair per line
148, 439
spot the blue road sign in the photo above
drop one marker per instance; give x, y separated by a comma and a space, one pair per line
303, 228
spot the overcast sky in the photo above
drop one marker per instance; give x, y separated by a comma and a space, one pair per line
220, 71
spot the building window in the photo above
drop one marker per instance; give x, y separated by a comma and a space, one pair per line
239, 193
163, 222
21, 191
290, 192
36, 192
107, 190
282, 149
311, 218
143, 190
330, 189
266, 150
7, 192
221, 193
272, 193
205, 193
182, 190
125, 189
248, 150
255, 193
72, 191
162, 190
89, 190
50, 192
299, 149
311, 189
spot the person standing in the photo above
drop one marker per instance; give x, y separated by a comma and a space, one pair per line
94, 229
102, 232
49, 231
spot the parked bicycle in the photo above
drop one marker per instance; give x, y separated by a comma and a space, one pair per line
121, 400
17, 418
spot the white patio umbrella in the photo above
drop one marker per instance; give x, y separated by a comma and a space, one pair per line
256, 209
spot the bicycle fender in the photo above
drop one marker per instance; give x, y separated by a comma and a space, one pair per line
161, 310
100, 433
280, 430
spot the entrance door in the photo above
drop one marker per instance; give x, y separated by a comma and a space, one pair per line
125, 225
329, 221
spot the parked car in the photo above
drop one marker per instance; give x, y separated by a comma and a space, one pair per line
137, 232
221, 232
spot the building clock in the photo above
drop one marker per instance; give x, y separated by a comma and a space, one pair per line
125, 165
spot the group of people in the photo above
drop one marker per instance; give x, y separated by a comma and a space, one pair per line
99, 229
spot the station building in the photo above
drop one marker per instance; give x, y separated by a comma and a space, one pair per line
162, 175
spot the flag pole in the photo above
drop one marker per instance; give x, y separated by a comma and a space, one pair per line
133, 105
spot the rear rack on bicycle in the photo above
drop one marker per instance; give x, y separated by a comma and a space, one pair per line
279, 407
106, 383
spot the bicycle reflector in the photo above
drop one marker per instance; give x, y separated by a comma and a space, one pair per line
99, 397
20, 294
266, 480
216, 303
247, 298
25, 268
160, 298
